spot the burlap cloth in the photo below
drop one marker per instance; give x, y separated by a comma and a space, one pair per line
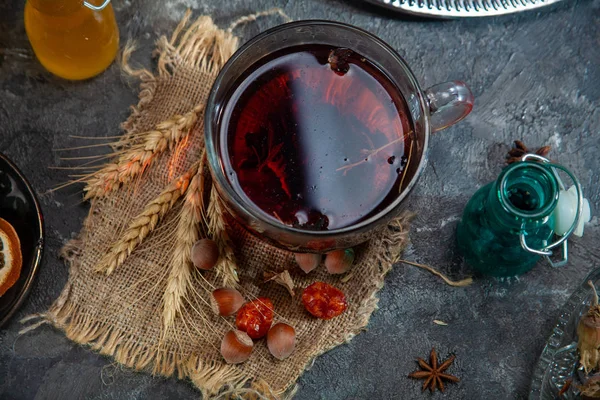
120, 315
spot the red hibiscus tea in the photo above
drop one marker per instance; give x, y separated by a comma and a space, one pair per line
317, 137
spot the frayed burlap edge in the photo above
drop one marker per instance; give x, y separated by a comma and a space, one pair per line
212, 379
203, 46
206, 47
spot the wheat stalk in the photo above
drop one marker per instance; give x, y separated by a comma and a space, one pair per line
140, 156
226, 267
143, 224
180, 276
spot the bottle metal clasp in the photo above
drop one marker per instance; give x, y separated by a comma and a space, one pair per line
547, 251
96, 8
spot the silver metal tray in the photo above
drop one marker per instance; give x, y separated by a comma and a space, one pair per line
462, 8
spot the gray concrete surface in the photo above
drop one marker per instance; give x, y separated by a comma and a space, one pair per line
535, 76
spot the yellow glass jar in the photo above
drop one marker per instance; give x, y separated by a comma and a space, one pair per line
72, 38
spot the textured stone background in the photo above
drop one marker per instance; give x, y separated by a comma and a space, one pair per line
535, 76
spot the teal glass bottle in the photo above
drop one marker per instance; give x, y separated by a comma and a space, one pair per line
519, 202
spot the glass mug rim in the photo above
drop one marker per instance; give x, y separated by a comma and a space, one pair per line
213, 136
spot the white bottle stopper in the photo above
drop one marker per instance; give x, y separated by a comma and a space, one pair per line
565, 211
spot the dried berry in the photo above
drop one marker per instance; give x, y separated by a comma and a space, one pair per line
320, 245
255, 317
236, 347
323, 300
205, 254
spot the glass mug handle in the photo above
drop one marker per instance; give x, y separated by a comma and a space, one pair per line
449, 102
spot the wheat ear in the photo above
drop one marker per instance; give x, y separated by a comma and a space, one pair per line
180, 276
216, 229
140, 156
143, 224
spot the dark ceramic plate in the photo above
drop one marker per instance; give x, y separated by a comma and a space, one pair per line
19, 206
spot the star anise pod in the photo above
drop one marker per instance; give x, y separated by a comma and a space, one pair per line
338, 60
432, 373
519, 150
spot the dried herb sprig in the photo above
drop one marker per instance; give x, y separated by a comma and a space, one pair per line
590, 389
450, 282
588, 332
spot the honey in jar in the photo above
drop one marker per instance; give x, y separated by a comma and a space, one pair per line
72, 39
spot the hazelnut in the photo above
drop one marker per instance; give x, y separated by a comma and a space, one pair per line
281, 340
226, 301
307, 261
339, 261
205, 254
236, 347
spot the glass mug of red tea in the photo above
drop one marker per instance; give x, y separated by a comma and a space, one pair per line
317, 131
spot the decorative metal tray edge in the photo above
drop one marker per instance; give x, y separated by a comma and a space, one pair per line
462, 8
581, 296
